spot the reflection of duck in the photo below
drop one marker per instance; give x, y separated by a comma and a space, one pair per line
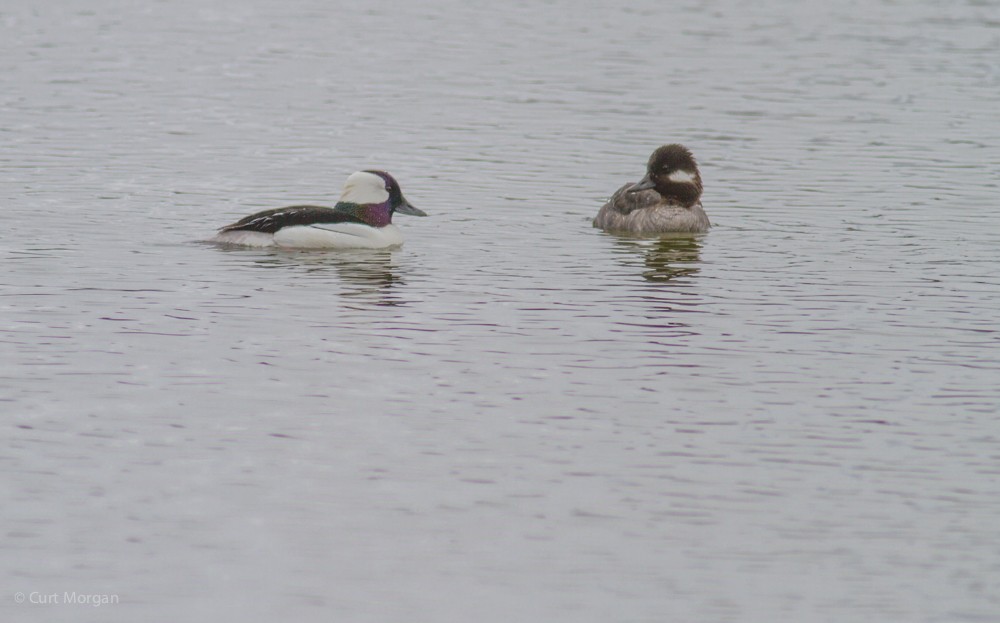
673, 256
668, 199
669, 256
362, 219
360, 272
369, 273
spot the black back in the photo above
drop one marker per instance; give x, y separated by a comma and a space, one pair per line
270, 221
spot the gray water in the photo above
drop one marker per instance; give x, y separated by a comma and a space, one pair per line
514, 417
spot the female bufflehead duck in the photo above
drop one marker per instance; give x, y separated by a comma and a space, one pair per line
668, 199
362, 219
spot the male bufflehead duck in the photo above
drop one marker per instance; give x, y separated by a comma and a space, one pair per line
668, 199
362, 219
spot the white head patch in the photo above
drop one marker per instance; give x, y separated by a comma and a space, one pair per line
363, 187
681, 176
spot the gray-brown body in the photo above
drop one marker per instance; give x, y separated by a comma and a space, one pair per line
646, 212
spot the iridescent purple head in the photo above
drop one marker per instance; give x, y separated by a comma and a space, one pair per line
374, 196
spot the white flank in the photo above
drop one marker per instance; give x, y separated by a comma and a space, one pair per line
338, 236
246, 238
681, 176
362, 187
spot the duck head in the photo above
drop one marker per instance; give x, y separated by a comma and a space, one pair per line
374, 196
672, 172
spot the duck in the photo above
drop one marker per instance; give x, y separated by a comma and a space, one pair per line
361, 219
667, 199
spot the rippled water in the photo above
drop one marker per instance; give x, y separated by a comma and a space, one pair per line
515, 417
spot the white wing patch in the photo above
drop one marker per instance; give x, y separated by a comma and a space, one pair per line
681, 176
363, 187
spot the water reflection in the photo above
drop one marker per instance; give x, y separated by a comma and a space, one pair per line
371, 275
660, 320
667, 257
374, 277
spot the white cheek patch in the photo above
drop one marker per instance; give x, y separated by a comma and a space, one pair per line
363, 187
681, 176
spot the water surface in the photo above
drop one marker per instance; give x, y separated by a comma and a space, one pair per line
514, 417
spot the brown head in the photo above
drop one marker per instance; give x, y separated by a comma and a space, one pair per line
672, 171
